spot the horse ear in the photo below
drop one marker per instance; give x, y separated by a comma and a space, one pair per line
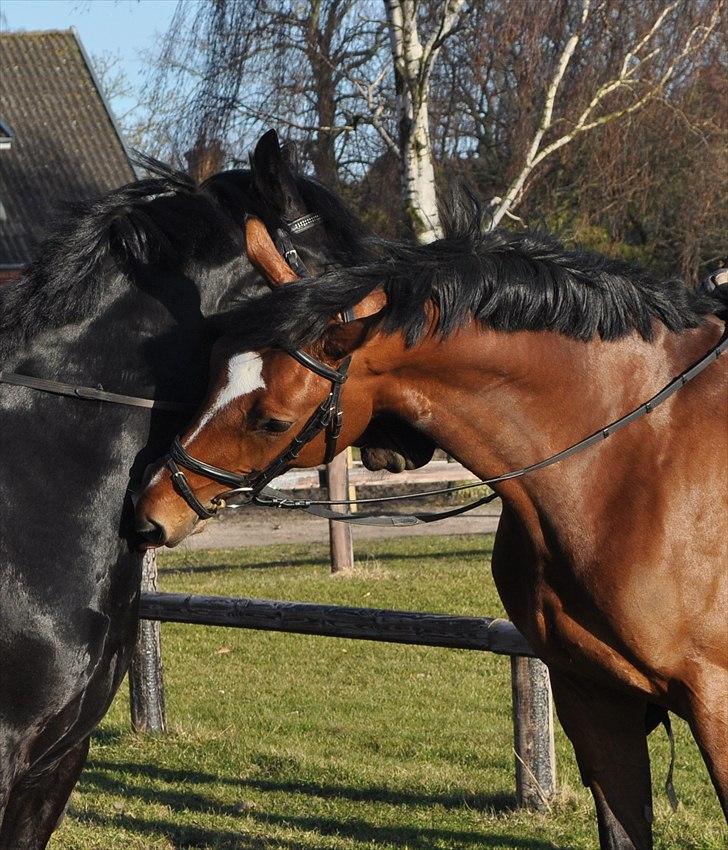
264, 255
274, 179
343, 338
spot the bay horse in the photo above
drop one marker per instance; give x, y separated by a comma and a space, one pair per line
504, 348
115, 303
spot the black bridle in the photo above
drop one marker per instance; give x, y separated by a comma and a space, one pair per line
287, 249
246, 488
253, 486
326, 418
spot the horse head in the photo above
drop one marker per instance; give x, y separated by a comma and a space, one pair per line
266, 410
387, 443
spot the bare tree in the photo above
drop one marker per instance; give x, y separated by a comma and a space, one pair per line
640, 77
591, 117
250, 64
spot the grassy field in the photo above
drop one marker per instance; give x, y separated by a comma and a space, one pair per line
292, 742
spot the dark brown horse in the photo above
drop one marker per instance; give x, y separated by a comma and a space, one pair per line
504, 349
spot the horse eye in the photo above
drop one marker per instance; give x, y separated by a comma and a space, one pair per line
276, 426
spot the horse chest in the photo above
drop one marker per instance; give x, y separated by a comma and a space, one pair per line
564, 610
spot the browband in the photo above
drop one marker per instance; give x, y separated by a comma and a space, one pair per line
305, 222
322, 369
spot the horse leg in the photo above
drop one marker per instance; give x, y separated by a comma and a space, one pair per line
607, 730
708, 720
35, 807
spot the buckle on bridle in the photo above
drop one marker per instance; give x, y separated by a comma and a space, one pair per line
335, 421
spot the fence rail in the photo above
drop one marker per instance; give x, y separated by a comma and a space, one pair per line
435, 472
309, 618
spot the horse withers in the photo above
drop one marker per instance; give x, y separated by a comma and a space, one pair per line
506, 349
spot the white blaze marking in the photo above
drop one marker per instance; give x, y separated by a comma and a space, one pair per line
245, 374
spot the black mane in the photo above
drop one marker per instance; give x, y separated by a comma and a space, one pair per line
165, 221
143, 223
509, 281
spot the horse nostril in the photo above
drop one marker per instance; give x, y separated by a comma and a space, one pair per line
149, 533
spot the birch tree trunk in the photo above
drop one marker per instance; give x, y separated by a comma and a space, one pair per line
413, 63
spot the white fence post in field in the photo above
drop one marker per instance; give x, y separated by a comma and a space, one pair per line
533, 733
337, 484
146, 680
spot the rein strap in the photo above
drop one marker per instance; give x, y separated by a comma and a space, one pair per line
90, 393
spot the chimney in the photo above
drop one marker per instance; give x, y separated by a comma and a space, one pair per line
205, 159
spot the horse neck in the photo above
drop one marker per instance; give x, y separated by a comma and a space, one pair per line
498, 402
120, 346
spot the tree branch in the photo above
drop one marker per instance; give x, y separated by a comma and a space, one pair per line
516, 186
624, 80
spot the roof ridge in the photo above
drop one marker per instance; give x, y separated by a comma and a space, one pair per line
16, 33
67, 146
102, 94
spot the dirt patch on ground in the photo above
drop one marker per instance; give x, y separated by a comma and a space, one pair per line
259, 526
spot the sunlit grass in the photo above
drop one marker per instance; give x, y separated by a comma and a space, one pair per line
305, 743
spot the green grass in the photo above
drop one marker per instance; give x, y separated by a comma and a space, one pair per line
287, 741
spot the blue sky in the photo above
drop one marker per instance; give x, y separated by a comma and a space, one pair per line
123, 27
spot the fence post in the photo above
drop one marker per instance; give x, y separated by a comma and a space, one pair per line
351, 496
533, 733
340, 541
146, 681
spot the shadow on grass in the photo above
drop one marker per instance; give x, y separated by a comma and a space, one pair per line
190, 837
96, 776
308, 561
496, 803
108, 735
185, 837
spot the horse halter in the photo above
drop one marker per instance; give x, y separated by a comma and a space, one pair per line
327, 418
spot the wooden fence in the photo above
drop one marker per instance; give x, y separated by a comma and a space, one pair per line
533, 734
435, 472
341, 477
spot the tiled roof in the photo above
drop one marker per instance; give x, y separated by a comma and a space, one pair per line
65, 146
